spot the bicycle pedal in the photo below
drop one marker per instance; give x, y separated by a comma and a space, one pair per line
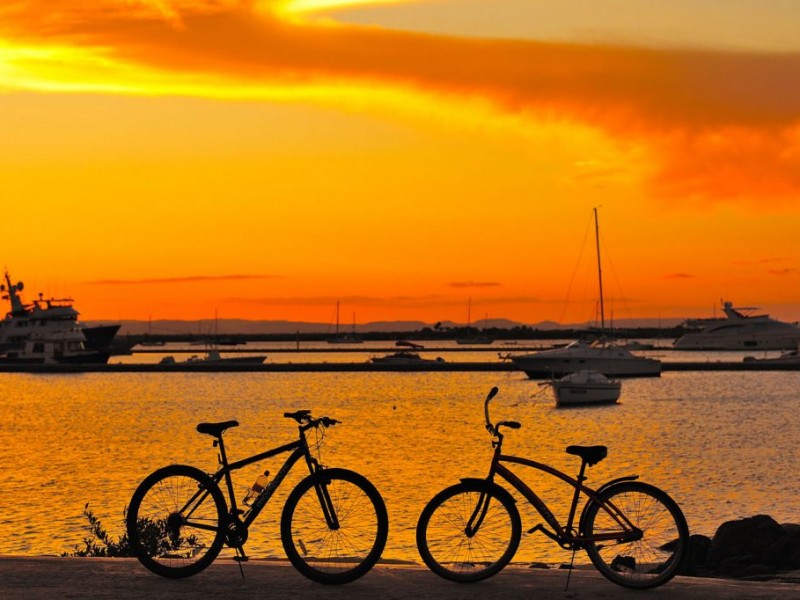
241, 558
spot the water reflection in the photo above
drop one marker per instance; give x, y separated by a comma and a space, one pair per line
722, 444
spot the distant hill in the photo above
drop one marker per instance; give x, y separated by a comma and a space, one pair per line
247, 327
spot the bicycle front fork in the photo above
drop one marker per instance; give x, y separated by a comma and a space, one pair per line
326, 503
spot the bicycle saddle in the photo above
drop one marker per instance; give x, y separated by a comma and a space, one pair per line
591, 454
216, 429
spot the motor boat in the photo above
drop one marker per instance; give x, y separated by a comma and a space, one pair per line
44, 317
403, 358
599, 356
790, 357
585, 387
739, 331
213, 357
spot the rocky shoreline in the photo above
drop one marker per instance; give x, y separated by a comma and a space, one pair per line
755, 547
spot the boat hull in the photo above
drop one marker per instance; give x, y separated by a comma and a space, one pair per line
568, 394
89, 358
546, 367
702, 341
233, 360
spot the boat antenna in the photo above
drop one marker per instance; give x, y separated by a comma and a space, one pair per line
599, 270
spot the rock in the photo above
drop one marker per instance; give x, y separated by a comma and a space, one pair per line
756, 572
696, 560
738, 544
732, 566
784, 553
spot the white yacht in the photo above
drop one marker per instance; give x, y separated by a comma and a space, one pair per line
738, 330
605, 358
585, 387
66, 345
43, 318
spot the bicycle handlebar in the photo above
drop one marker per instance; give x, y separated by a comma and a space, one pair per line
495, 429
304, 417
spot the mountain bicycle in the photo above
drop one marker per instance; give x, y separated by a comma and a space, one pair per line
634, 533
333, 526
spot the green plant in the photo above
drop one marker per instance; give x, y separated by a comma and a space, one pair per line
100, 543
157, 539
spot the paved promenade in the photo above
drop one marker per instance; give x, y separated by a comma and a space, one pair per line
87, 578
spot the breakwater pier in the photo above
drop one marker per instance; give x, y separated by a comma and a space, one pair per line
353, 367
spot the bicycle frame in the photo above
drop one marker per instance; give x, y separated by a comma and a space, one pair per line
299, 449
566, 536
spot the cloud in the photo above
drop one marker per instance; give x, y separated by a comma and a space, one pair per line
678, 276
759, 261
724, 125
188, 279
782, 272
473, 284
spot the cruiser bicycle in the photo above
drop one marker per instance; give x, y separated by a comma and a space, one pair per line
333, 526
634, 533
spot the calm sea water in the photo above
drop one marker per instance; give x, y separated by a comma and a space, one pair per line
724, 445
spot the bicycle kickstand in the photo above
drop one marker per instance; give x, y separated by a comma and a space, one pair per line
571, 566
240, 558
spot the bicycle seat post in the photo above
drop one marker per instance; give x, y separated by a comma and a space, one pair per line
223, 459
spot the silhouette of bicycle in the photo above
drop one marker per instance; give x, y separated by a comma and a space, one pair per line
634, 533
333, 526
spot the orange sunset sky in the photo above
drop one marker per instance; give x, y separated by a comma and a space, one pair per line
264, 159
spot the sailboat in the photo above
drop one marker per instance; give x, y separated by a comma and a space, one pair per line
471, 338
599, 356
344, 338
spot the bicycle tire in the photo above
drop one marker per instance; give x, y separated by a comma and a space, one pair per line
334, 556
445, 546
161, 537
656, 557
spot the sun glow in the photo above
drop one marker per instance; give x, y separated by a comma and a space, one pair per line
310, 6
466, 166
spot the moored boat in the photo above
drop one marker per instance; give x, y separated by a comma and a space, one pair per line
790, 357
213, 357
65, 346
46, 316
738, 330
403, 358
585, 387
608, 359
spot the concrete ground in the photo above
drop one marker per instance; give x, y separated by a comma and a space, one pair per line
87, 578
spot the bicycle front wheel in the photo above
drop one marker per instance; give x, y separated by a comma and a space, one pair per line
469, 531
649, 561
334, 526
175, 521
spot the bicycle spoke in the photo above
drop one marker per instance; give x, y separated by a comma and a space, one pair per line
646, 562
447, 547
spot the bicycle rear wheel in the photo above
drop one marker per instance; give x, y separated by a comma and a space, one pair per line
347, 550
175, 521
448, 544
647, 562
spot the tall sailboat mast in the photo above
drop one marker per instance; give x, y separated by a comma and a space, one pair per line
599, 270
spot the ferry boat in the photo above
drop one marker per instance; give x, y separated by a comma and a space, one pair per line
44, 318
738, 330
